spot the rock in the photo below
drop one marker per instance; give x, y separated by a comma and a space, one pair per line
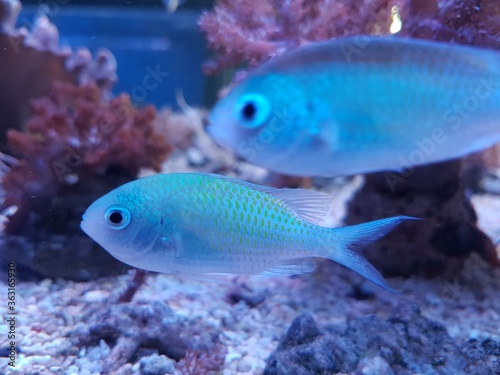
373, 366
303, 351
484, 356
245, 365
405, 343
156, 365
126, 369
435, 246
302, 331
245, 294
134, 327
210, 360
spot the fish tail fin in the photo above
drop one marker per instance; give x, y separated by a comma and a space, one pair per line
351, 240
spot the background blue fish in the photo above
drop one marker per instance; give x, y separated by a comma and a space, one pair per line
363, 104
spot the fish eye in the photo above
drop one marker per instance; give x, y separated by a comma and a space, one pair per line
117, 217
253, 110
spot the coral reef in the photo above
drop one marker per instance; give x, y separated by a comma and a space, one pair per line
404, 343
31, 61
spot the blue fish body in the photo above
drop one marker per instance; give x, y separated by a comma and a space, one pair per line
363, 104
201, 225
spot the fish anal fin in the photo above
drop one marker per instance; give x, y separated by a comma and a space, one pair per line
218, 278
289, 268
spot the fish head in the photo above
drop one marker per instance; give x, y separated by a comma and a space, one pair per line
127, 221
261, 119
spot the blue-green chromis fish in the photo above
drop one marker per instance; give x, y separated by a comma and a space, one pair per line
363, 104
202, 225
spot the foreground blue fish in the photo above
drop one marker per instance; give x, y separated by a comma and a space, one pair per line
200, 225
363, 104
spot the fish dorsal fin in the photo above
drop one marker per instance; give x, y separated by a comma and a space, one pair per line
306, 204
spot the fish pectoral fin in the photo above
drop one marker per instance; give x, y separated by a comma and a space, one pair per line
289, 268
171, 245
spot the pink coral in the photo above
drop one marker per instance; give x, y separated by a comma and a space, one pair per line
74, 134
249, 32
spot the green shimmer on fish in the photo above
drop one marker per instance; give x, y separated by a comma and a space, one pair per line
202, 225
363, 104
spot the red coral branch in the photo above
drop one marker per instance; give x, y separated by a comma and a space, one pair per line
74, 133
202, 362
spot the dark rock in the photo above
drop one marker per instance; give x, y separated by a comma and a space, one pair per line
303, 351
435, 246
243, 293
491, 347
302, 331
318, 357
483, 357
405, 343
